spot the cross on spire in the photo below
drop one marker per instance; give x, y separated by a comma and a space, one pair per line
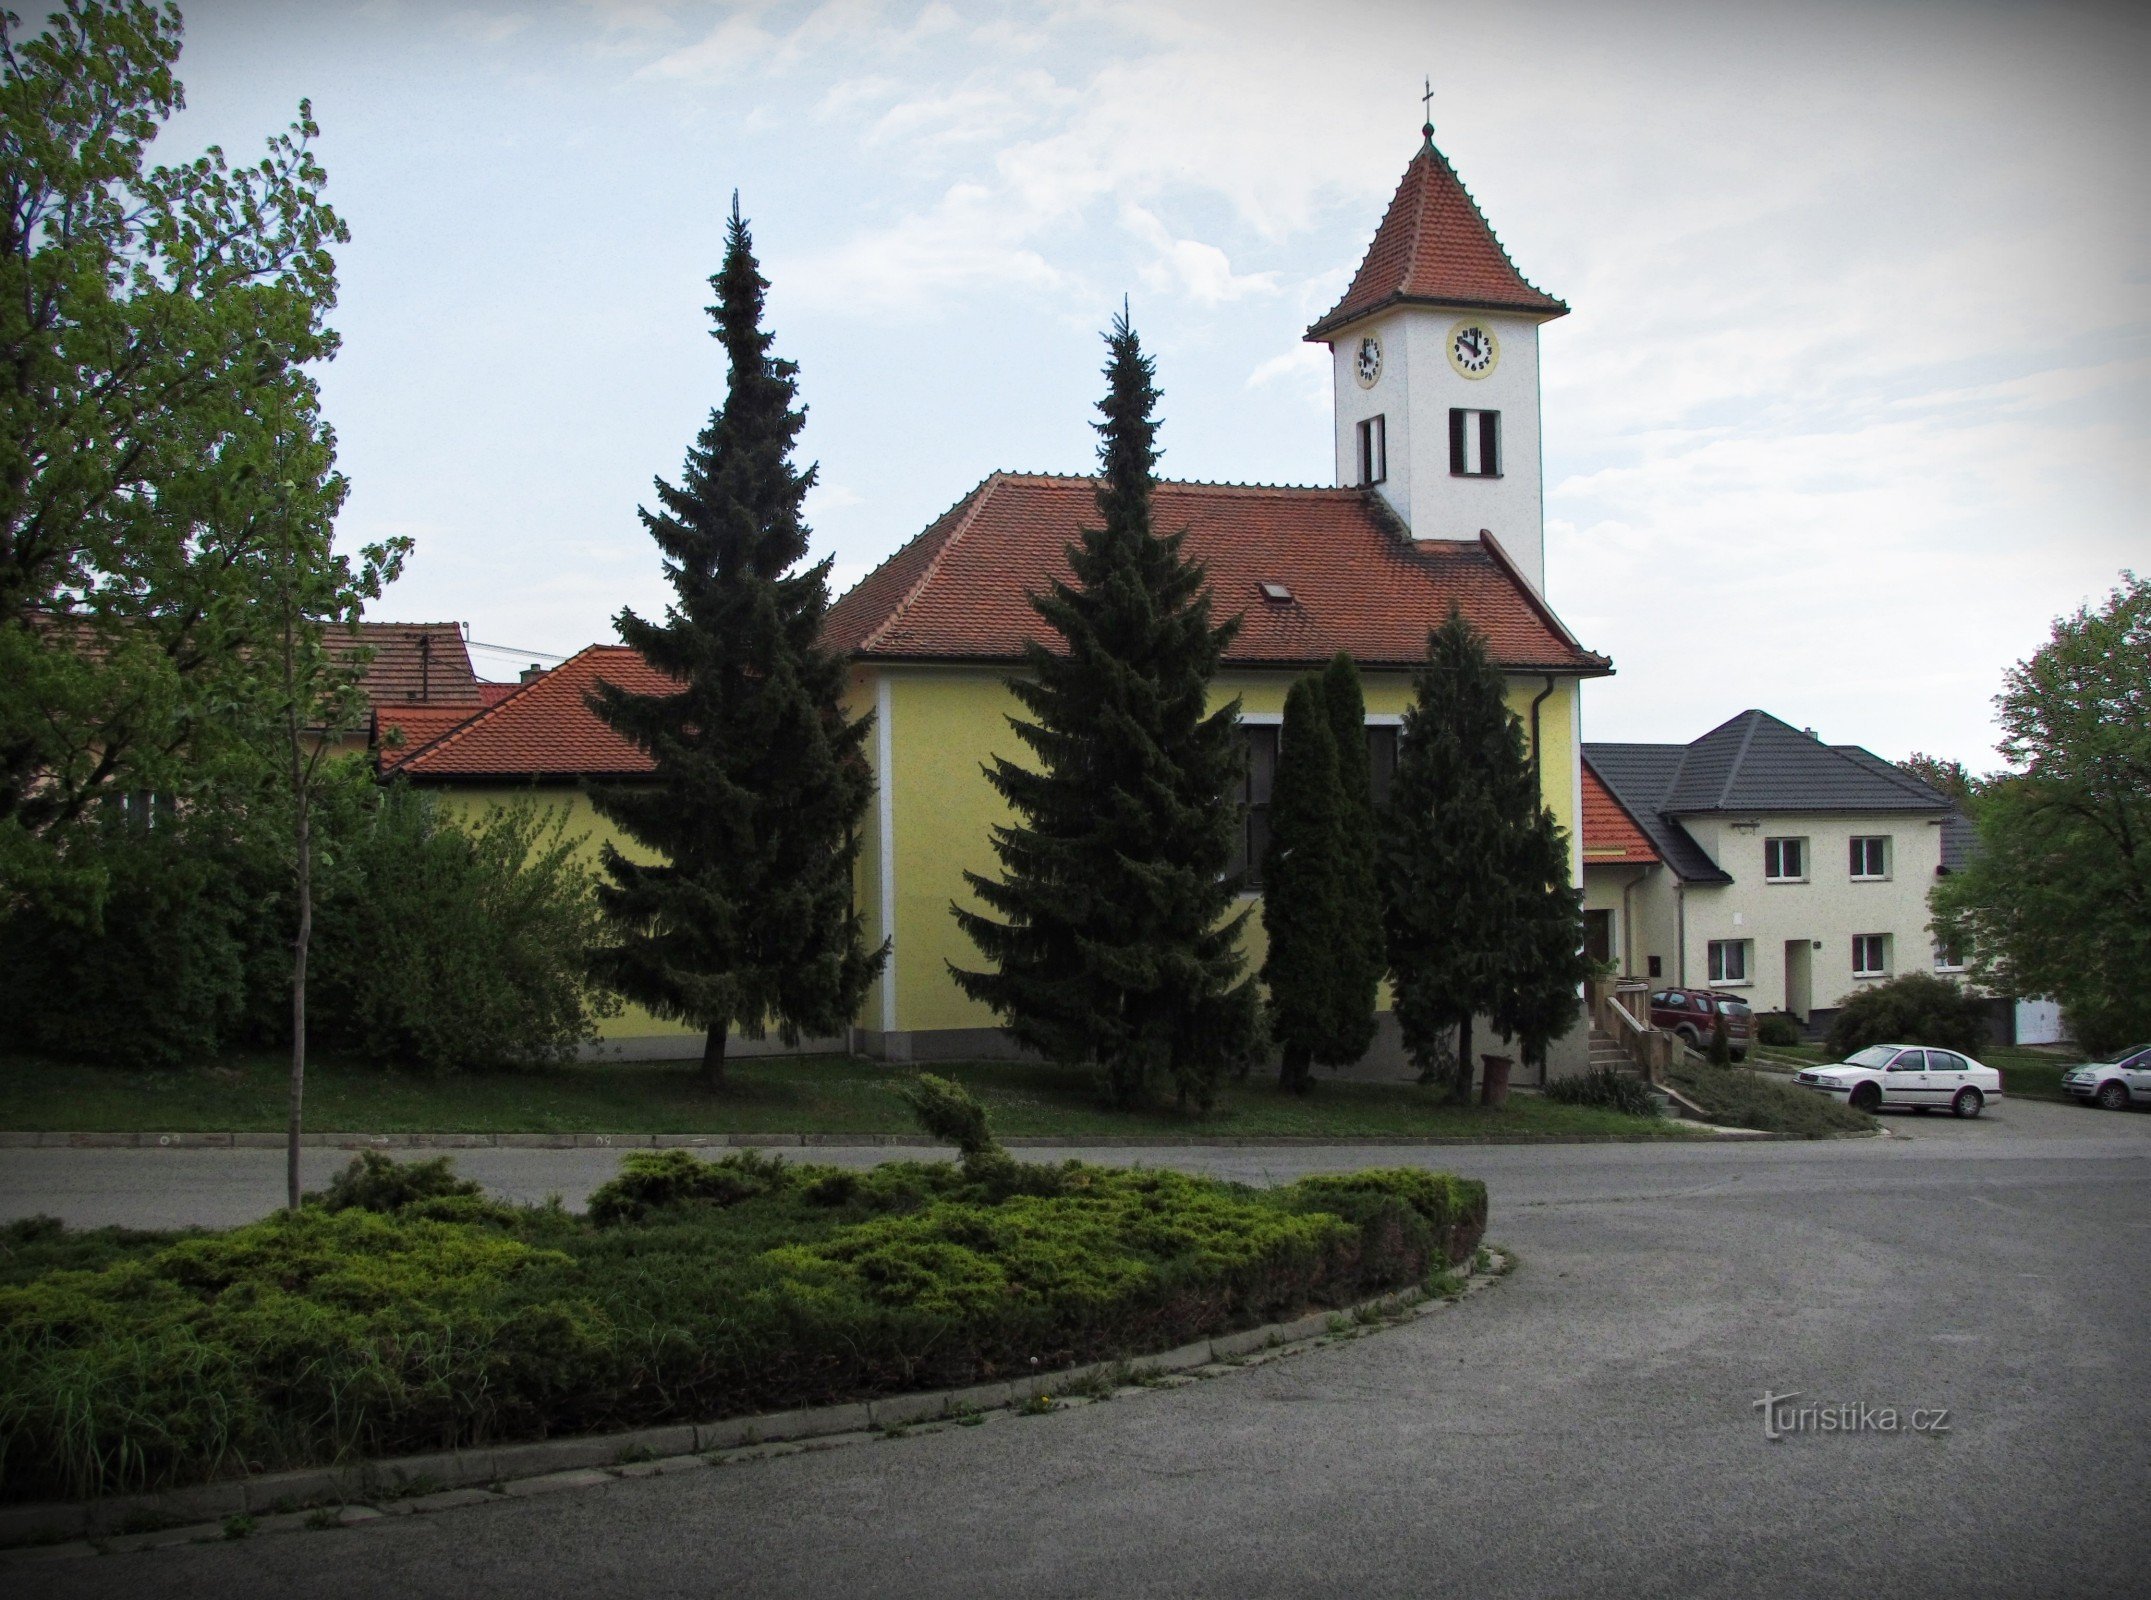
1427, 100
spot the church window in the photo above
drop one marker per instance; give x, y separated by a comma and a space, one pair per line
1259, 740
1474, 444
1374, 450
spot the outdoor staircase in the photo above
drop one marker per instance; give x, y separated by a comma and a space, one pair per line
1608, 1056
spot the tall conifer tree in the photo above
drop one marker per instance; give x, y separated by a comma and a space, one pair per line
1547, 965
1363, 957
1304, 909
1450, 846
745, 920
1110, 935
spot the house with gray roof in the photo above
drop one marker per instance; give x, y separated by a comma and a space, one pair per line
1774, 866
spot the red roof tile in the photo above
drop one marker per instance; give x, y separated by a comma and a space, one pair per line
422, 663
1434, 247
418, 726
1356, 582
1610, 834
494, 693
544, 728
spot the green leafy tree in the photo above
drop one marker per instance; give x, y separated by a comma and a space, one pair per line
1462, 792
1110, 935
1304, 908
1363, 957
2056, 901
745, 919
156, 326
1944, 775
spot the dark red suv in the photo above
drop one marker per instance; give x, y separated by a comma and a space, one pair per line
1693, 1014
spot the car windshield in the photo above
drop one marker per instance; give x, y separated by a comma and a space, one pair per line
2120, 1056
1875, 1055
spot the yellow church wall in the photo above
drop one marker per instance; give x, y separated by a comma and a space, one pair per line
939, 727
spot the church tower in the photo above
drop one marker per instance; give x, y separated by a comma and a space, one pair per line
1435, 361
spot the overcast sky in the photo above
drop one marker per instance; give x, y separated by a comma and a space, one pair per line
1853, 401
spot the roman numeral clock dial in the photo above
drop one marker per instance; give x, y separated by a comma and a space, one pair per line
1473, 349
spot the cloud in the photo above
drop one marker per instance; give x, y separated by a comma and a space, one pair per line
1200, 271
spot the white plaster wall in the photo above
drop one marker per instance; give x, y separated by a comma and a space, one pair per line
1830, 907
1415, 392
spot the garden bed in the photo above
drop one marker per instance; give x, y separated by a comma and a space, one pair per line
404, 1312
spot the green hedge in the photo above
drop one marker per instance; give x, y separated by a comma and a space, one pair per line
692, 1290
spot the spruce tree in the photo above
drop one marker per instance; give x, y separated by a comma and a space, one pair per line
1111, 938
1303, 888
745, 919
1449, 849
1547, 964
1362, 952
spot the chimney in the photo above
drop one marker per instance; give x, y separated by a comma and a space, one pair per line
530, 673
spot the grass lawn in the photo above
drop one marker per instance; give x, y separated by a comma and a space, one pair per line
810, 1094
2029, 1071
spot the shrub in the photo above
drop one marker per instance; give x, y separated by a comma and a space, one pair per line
455, 946
1777, 1030
657, 1180
946, 1111
737, 1285
1607, 1089
1917, 1008
1721, 1039
374, 1182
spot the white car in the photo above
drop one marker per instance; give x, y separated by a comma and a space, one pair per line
2114, 1083
1908, 1075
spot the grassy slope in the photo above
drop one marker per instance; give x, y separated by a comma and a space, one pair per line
1738, 1098
814, 1094
2031, 1072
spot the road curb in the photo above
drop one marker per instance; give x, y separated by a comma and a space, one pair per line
824, 1141
424, 1484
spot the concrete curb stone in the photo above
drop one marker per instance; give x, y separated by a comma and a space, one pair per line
830, 1141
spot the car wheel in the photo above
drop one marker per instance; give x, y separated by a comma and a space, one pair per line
1693, 1040
2113, 1096
1969, 1103
1865, 1097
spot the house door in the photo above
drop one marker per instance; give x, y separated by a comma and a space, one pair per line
1598, 935
1799, 979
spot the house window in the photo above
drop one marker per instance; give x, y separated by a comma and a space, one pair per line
1658, 966
1948, 958
1871, 858
1381, 760
1474, 444
1728, 961
1785, 861
1374, 450
1259, 741
1870, 955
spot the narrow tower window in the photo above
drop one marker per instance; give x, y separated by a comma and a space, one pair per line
1374, 450
1474, 444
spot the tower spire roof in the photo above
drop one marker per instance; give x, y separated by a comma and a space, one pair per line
1434, 247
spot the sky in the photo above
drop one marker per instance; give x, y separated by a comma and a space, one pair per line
1854, 400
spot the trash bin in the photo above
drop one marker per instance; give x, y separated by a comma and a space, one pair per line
1494, 1088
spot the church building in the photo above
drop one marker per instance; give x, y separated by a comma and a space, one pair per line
1437, 502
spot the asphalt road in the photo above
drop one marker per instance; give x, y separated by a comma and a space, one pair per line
1587, 1427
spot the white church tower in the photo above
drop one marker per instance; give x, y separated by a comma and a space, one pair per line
1435, 357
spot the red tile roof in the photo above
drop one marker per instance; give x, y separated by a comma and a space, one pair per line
1434, 247
1610, 834
418, 726
544, 728
494, 693
422, 663
1356, 582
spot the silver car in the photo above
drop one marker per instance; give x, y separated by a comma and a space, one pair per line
2116, 1083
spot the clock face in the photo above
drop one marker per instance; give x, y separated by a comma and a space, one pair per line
1367, 365
1473, 349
